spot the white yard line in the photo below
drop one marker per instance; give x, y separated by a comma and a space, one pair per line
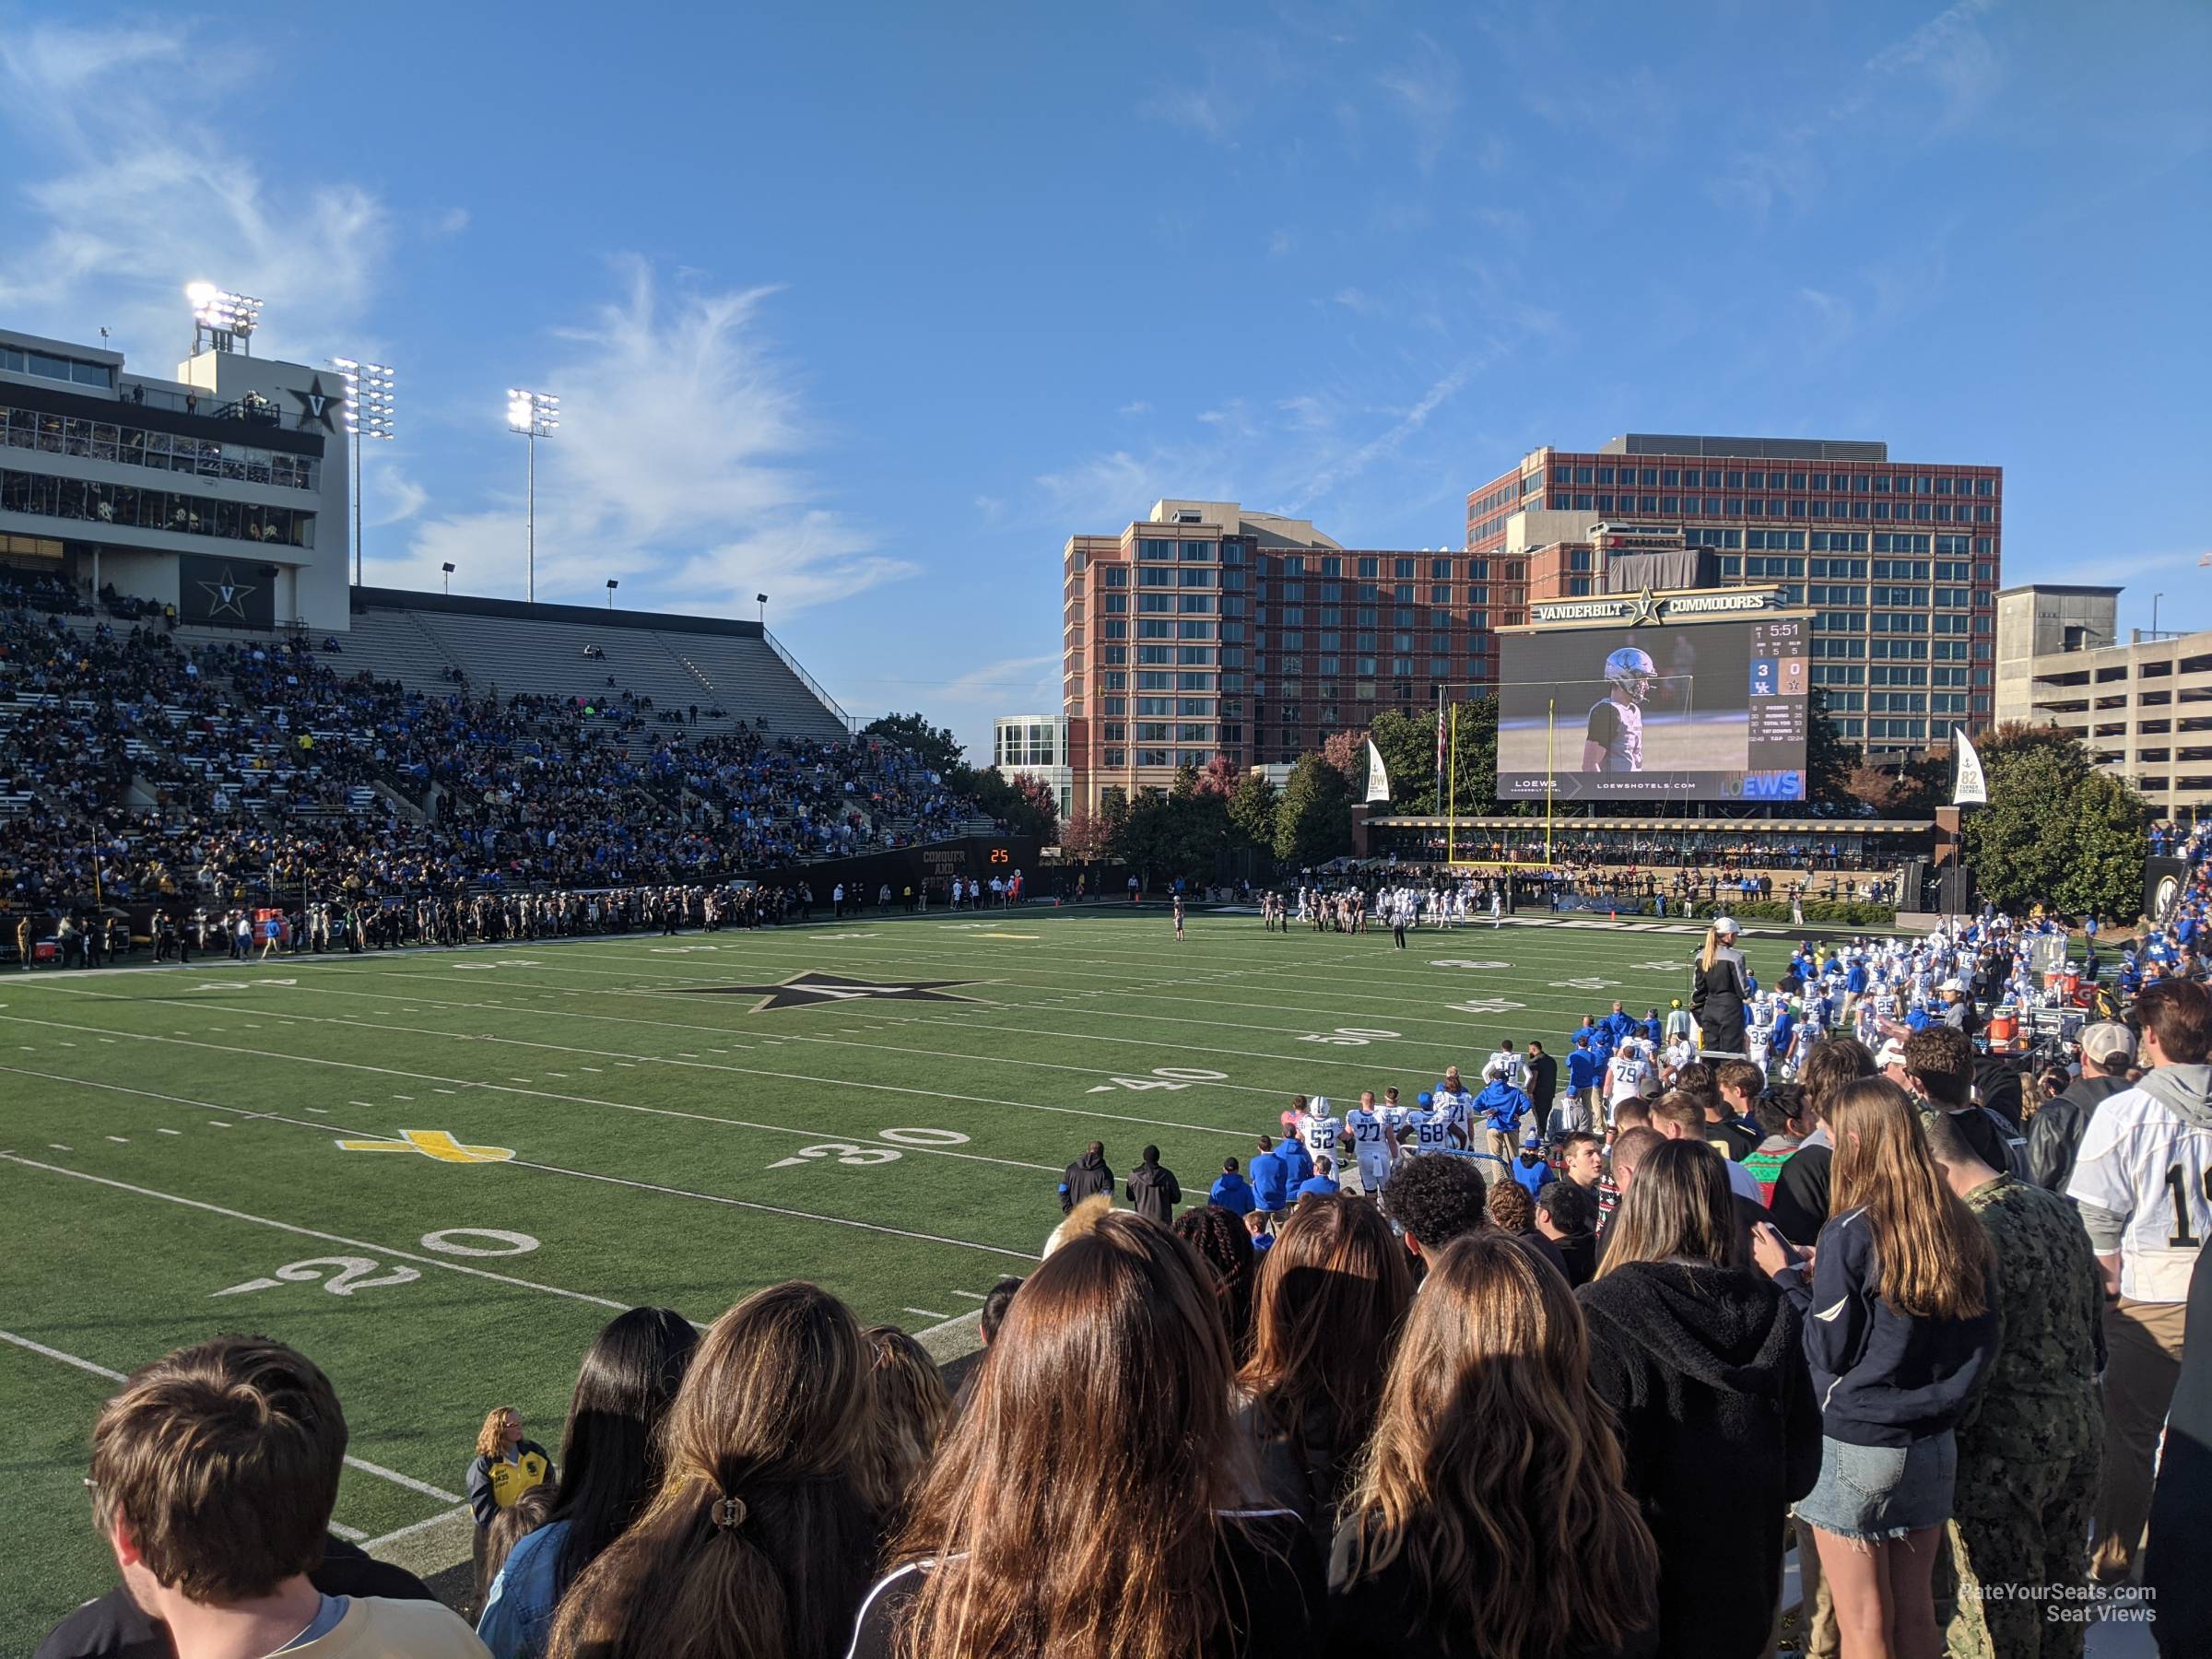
519, 1163
934, 1094
311, 1233
362, 1463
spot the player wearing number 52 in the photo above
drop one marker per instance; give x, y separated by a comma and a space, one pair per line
507, 1465
2143, 1180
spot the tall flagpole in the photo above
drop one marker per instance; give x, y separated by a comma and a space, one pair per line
1552, 770
1451, 812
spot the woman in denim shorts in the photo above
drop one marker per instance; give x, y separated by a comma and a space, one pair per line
1900, 1322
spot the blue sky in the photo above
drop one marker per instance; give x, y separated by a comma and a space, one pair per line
871, 306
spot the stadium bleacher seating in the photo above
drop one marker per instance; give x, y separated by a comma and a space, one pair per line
430, 749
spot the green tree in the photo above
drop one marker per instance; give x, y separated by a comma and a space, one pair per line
1408, 745
1023, 802
1252, 811
1471, 765
2104, 874
1170, 835
1830, 759
1313, 820
934, 746
2022, 846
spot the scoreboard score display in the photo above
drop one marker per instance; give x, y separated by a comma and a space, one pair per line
1700, 696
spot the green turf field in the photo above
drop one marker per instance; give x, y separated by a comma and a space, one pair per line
600, 1124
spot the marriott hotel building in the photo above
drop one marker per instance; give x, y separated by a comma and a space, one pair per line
1898, 560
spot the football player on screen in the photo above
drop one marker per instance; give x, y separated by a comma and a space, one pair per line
1614, 740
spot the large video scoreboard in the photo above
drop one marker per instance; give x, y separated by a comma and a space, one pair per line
1697, 696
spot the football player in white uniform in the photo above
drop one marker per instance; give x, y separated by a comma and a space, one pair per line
1506, 1064
1321, 1129
1370, 1147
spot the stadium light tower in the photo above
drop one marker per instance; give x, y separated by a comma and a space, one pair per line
612, 584
448, 568
369, 414
222, 321
534, 415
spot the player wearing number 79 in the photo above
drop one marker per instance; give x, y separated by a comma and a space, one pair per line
2143, 1181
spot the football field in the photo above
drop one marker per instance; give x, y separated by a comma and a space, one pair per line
438, 1173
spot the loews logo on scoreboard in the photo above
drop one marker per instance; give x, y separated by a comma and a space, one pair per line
1700, 604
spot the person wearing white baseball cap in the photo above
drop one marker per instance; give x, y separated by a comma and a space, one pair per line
2108, 1049
1721, 986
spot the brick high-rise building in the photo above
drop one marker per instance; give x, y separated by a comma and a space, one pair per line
1900, 561
1205, 630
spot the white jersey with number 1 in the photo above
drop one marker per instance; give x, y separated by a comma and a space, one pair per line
2141, 1160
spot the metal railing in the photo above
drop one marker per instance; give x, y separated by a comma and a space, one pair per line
811, 684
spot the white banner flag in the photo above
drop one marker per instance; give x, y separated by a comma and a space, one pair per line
1378, 780
1973, 789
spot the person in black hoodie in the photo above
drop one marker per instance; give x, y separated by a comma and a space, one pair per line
1901, 1321
1703, 1363
1086, 1178
1153, 1190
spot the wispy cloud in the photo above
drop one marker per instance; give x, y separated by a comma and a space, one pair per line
1139, 406
1342, 469
397, 496
1791, 167
128, 195
1952, 50
1426, 87
678, 470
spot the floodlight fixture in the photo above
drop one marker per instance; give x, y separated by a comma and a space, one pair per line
369, 414
222, 320
532, 415
612, 584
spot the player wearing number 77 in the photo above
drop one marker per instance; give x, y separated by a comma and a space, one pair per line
2143, 1180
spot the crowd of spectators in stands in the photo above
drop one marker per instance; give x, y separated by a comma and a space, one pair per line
134, 765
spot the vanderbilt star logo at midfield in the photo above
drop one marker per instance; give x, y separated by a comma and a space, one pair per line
810, 990
228, 594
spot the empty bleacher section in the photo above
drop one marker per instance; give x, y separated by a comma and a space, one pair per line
728, 670
443, 744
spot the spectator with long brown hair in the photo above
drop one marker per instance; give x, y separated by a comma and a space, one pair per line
1489, 1518
1331, 1293
1901, 1325
1702, 1362
760, 1538
911, 1406
1086, 1500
